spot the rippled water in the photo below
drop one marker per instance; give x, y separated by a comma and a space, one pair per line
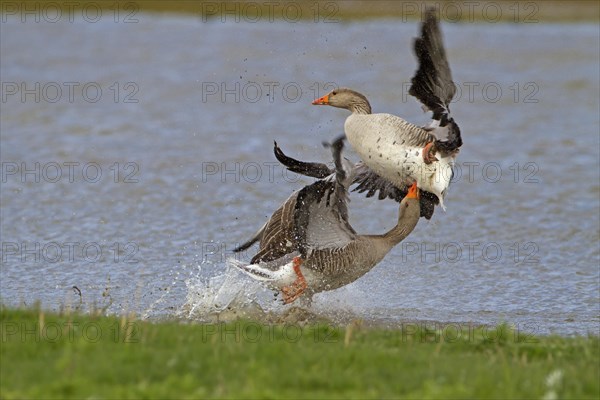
170, 165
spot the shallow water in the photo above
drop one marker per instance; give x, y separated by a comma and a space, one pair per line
170, 166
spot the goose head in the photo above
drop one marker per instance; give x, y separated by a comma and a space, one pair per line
345, 98
410, 208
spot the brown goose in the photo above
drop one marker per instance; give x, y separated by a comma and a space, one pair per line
308, 244
395, 152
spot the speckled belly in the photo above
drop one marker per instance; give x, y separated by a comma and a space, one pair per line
387, 153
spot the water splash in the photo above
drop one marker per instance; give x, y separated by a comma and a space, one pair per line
225, 296
230, 295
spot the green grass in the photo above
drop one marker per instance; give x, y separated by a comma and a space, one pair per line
111, 357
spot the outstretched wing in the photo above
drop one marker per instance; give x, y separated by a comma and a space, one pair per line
321, 214
368, 181
313, 169
277, 236
432, 84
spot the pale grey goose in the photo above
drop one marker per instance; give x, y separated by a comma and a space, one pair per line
395, 152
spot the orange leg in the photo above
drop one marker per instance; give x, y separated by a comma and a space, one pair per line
295, 290
428, 157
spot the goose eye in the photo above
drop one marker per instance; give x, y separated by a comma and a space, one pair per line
334, 93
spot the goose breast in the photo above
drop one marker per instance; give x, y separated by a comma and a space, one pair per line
393, 148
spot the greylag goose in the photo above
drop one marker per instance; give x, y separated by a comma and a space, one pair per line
308, 245
395, 152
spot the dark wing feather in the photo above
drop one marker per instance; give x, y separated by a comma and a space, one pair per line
313, 169
368, 181
433, 85
427, 201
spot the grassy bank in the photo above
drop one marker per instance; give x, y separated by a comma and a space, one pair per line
309, 10
73, 356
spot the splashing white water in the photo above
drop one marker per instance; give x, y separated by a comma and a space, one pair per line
226, 296
232, 294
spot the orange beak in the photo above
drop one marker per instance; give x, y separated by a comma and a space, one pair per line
321, 100
413, 192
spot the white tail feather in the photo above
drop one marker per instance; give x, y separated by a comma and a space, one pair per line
283, 275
